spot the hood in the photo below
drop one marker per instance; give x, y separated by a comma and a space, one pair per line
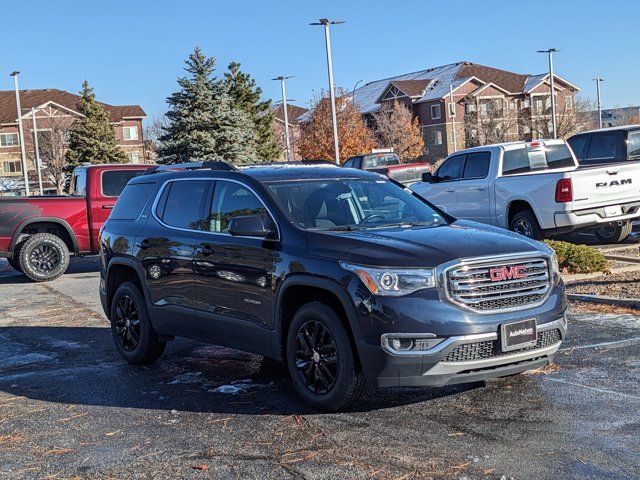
419, 246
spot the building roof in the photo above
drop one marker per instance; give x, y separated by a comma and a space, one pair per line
439, 80
36, 98
293, 111
412, 88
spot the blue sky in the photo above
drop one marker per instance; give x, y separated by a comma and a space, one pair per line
132, 52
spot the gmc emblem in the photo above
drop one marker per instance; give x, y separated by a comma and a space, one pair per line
507, 273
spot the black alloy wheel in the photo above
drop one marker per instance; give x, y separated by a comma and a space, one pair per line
316, 357
127, 323
45, 258
133, 334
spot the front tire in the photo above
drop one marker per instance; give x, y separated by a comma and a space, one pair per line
525, 223
614, 233
132, 332
321, 359
43, 257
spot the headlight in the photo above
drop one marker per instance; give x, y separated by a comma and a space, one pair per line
393, 282
555, 268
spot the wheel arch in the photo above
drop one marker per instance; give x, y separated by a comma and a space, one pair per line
517, 205
300, 289
44, 224
119, 271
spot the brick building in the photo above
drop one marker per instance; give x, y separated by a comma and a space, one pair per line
56, 110
470, 104
294, 113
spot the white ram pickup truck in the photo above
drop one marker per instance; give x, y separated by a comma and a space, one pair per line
536, 189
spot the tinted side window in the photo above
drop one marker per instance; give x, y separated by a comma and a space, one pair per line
113, 182
603, 145
184, 204
348, 163
477, 165
230, 200
451, 169
578, 145
373, 161
131, 202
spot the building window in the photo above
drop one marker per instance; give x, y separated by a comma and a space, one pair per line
8, 139
469, 108
435, 112
437, 137
11, 166
527, 102
130, 133
134, 157
568, 102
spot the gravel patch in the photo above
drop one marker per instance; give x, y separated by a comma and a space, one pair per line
621, 285
625, 252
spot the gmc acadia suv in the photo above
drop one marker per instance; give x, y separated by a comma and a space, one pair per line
344, 275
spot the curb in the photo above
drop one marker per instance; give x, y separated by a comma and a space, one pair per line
619, 302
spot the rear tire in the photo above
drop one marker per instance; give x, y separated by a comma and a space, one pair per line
525, 223
43, 257
135, 338
614, 233
15, 260
321, 360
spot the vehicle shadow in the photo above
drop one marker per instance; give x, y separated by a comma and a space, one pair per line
79, 365
76, 266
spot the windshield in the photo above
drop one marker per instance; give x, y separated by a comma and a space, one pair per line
351, 203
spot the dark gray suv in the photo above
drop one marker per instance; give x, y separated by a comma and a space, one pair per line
344, 275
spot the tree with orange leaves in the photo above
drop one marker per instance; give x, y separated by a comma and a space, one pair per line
316, 136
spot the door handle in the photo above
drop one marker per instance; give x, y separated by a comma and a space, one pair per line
206, 250
481, 187
107, 207
144, 245
451, 189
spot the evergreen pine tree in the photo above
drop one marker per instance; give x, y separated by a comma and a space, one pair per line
92, 140
245, 95
202, 122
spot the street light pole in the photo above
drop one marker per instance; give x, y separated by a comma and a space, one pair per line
37, 148
327, 40
23, 153
598, 80
550, 52
286, 115
353, 92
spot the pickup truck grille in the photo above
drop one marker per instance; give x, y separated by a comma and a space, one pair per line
489, 287
491, 348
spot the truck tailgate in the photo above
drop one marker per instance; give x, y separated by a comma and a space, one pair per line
605, 185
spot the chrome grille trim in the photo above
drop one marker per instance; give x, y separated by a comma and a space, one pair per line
467, 284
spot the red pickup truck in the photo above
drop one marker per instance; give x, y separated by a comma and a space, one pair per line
389, 164
39, 233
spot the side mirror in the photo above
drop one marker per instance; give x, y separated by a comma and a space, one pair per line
249, 226
427, 177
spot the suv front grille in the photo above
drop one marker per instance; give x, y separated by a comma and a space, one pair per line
513, 284
491, 348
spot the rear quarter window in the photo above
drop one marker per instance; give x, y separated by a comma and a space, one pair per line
132, 201
114, 181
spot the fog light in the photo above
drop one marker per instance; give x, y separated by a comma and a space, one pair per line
408, 344
402, 343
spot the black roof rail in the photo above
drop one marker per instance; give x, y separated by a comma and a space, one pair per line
206, 165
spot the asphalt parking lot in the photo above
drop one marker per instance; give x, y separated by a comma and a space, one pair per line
71, 408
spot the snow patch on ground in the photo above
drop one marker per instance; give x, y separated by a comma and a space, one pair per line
239, 386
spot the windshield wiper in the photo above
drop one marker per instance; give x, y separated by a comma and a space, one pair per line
403, 224
338, 228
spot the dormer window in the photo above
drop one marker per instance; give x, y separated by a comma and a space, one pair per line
130, 133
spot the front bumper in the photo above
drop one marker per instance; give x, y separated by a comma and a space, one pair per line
435, 367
